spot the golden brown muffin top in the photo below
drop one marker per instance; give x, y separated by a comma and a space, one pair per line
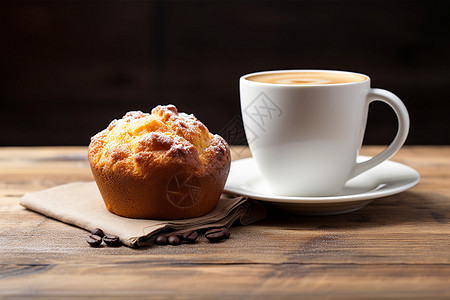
164, 138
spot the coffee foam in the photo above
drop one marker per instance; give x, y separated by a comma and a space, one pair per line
307, 78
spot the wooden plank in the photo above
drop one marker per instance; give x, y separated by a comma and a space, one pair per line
279, 281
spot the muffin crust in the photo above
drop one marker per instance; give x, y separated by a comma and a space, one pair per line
163, 165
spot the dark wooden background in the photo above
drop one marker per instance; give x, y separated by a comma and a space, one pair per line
69, 68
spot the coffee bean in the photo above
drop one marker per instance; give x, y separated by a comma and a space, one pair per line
190, 236
174, 240
111, 240
216, 235
161, 240
98, 231
94, 240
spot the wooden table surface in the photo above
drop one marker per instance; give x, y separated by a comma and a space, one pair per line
397, 247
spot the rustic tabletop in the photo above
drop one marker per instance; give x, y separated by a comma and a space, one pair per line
396, 247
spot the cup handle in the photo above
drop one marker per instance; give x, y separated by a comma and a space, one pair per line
402, 132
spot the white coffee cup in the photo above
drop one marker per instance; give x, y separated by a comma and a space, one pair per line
305, 138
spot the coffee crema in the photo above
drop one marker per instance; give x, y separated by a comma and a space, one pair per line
307, 78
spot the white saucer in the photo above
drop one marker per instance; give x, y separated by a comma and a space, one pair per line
386, 179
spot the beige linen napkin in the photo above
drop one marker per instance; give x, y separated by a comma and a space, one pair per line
81, 204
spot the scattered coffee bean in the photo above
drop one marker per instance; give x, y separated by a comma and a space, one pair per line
94, 240
99, 232
218, 234
111, 240
213, 235
161, 240
190, 236
174, 240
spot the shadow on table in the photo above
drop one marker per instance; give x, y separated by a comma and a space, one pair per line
407, 207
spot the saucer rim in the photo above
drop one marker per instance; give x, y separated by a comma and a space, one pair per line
375, 193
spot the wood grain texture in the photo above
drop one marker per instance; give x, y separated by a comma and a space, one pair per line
397, 247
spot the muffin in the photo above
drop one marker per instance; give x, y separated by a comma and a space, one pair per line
163, 165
